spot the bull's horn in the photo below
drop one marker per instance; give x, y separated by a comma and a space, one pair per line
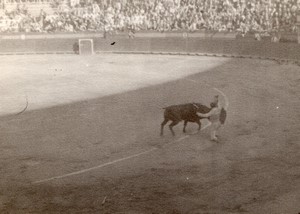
195, 105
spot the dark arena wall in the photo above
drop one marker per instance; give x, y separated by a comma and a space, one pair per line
220, 43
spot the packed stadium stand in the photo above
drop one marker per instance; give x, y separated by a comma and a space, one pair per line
241, 16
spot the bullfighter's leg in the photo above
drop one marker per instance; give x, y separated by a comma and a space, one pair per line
214, 128
162, 126
174, 123
184, 125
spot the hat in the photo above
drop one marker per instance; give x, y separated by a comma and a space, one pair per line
213, 104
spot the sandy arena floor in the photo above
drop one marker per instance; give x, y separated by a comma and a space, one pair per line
86, 139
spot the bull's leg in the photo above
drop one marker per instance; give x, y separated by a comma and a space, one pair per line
199, 125
184, 125
174, 123
162, 126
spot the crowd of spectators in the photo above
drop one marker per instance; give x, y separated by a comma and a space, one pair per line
241, 16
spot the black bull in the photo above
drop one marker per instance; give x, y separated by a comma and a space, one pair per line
186, 112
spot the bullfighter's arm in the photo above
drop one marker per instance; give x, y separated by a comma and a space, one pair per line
212, 112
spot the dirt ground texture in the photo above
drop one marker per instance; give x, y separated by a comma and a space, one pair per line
84, 112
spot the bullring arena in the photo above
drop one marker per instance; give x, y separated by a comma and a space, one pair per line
80, 134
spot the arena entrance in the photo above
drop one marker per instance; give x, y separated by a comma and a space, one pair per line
86, 46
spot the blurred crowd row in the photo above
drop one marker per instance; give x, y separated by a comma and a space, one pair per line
241, 16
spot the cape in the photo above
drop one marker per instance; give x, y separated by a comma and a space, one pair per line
223, 116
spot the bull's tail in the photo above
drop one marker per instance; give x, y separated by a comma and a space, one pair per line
158, 106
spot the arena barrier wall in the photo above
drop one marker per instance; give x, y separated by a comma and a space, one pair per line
174, 43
